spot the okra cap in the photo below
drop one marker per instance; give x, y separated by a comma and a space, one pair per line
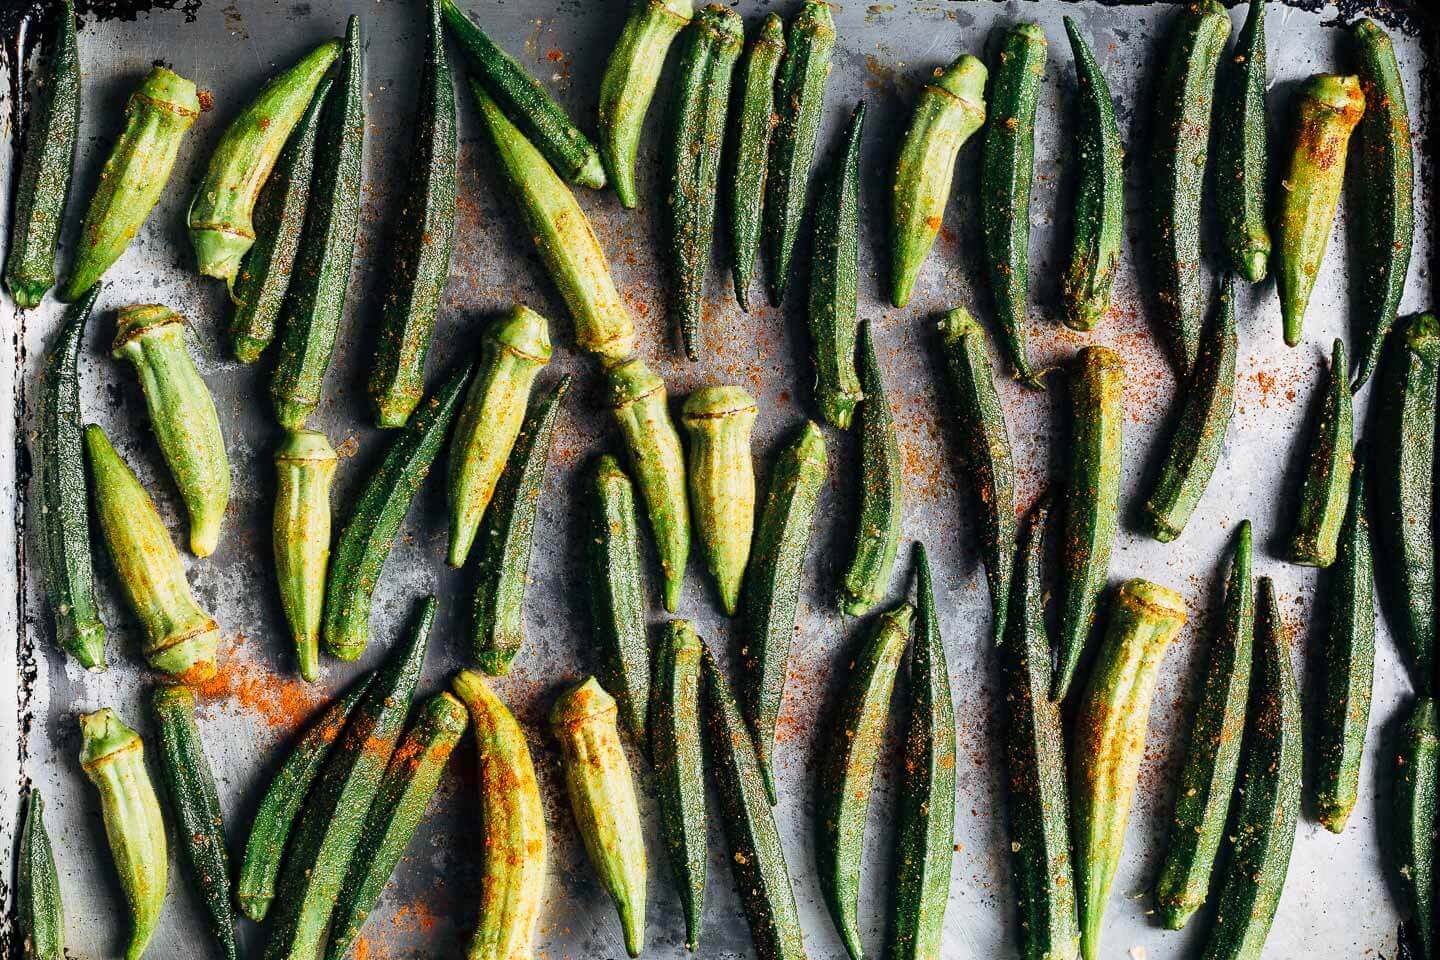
523, 332
1420, 334
1152, 601
189, 657
680, 635
139, 320
631, 380
956, 325
102, 735
581, 703
716, 403
964, 79
810, 445
814, 17
1339, 93
168, 90
304, 446
726, 25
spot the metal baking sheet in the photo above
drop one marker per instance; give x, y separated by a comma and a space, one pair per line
1336, 902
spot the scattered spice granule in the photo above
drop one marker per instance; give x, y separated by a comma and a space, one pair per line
283, 702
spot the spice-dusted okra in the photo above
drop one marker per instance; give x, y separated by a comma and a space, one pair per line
1325, 483
151, 338
180, 638
304, 468
602, 796
749, 149
1329, 108
617, 596
950, 110
157, 115
657, 459
1414, 803
722, 483
113, 757
877, 534
1242, 151
221, 230
512, 351
39, 912
675, 748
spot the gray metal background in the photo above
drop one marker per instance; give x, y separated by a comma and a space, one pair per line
1336, 902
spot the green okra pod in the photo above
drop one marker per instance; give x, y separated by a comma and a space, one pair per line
749, 149
800, 104
512, 351
950, 110
304, 469
772, 585
1414, 805
157, 115
833, 316
602, 797
39, 912
47, 160
1092, 497
113, 758
1242, 151
722, 483
1328, 109
877, 535
180, 638
631, 75
617, 595
675, 748
1109, 741
1325, 483
151, 338
221, 228
641, 408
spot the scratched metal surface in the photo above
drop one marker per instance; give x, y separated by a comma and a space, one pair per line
1336, 901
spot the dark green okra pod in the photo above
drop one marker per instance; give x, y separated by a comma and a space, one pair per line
1198, 435
950, 110
631, 75
315, 301
799, 104
1100, 199
46, 161
39, 912
304, 469
1212, 757
1007, 161
657, 459
1242, 151
749, 149
985, 451
617, 596
877, 534
1325, 483
833, 316
113, 758
1092, 496
772, 585
421, 248
64, 495
722, 483
1328, 109
180, 638
1414, 805
151, 338
157, 115
1347, 665
709, 48
675, 748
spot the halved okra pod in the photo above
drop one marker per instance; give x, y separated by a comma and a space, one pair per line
39, 912
64, 515
563, 236
180, 638
617, 593
1185, 96
421, 247
507, 534
315, 300
512, 351
950, 109
304, 469
772, 585
849, 768
695, 136
1414, 805
1212, 757
1198, 436
676, 750
1007, 166
151, 338
985, 452
221, 229
113, 757
46, 161
1381, 225
833, 317
800, 104
749, 149
1328, 109
157, 115
1325, 482
877, 534
1403, 494
512, 824
1100, 199
1242, 151
722, 483
631, 76
602, 797
1109, 740
657, 459
1092, 501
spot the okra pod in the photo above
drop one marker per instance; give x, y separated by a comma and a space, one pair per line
1325, 483
877, 535
617, 595
1414, 806
304, 469
722, 483
39, 911
749, 149
675, 748
1242, 151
